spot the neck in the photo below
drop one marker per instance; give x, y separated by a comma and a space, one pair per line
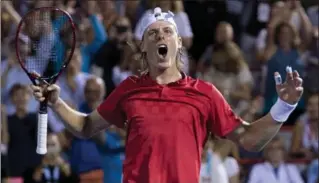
165, 76
275, 164
21, 112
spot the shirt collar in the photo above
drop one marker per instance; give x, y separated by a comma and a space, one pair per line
147, 80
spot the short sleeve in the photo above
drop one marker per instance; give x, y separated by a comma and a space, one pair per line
111, 109
222, 118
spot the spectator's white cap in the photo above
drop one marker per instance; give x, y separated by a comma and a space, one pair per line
157, 15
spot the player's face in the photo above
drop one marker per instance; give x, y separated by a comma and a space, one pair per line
161, 43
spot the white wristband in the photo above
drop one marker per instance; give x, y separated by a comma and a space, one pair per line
281, 110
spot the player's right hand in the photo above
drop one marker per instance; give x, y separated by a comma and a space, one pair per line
51, 92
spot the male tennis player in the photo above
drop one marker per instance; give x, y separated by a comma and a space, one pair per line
169, 115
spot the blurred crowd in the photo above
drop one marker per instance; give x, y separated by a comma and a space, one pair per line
236, 45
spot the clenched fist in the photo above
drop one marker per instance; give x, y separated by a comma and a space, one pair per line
51, 93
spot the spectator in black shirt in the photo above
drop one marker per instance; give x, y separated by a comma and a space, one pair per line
110, 53
22, 128
53, 168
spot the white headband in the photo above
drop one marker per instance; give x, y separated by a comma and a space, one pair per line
157, 15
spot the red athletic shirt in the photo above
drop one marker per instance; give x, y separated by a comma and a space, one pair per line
167, 126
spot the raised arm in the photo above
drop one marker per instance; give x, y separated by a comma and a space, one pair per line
87, 125
254, 136
80, 124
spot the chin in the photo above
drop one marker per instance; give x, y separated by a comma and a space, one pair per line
163, 65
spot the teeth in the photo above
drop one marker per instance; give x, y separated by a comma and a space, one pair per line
162, 46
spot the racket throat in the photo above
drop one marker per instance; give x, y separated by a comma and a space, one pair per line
43, 109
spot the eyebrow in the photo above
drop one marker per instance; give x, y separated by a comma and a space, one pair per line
156, 29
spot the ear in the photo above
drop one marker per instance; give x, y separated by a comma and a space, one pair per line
179, 42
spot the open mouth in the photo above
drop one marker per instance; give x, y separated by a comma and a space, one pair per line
162, 50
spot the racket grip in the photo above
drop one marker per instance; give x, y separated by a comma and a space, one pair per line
42, 133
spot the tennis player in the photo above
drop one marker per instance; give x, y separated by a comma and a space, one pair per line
169, 115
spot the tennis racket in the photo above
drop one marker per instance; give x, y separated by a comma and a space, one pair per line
48, 46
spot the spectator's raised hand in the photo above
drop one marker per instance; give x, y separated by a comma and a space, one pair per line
88, 7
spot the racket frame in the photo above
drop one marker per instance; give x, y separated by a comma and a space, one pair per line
45, 80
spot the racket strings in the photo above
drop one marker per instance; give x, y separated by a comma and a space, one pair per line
45, 52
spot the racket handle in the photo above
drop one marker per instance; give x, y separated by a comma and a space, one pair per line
42, 133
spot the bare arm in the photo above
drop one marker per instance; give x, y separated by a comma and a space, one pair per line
296, 138
13, 13
254, 136
80, 124
306, 31
234, 179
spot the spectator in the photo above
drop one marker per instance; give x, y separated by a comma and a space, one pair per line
223, 34
108, 13
110, 53
11, 74
228, 152
128, 65
311, 84
212, 168
4, 145
22, 127
112, 152
72, 83
312, 171
283, 12
84, 155
8, 16
274, 169
204, 17
182, 22
134, 10
305, 134
284, 48
228, 70
90, 33
53, 168
313, 13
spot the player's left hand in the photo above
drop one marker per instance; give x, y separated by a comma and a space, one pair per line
291, 90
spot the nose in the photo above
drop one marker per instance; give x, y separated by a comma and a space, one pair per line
160, 36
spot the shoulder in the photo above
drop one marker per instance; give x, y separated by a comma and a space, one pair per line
130, 83
202, 86
258, 166
292, 167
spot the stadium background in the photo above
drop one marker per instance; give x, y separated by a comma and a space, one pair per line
234, 44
